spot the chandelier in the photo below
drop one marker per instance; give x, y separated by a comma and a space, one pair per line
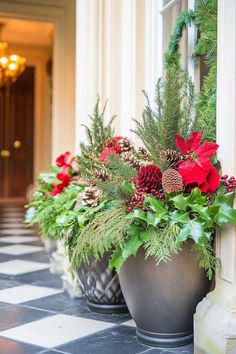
10, 66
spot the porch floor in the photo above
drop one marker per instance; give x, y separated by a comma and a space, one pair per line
37, 316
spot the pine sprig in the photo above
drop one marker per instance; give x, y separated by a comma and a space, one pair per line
120, 168
207, 258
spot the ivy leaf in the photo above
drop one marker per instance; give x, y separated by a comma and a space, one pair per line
179, 217
181, 202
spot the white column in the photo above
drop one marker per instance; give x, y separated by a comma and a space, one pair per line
87, 62
215, 319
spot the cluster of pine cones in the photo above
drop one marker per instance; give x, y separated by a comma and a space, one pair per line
171, 179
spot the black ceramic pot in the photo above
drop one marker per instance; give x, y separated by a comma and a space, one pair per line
101, 286
162, 299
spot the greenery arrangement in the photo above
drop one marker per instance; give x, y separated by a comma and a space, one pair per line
113, 197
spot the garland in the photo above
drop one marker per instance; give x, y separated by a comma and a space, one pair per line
204, 17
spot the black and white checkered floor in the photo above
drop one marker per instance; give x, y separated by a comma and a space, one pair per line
37, 316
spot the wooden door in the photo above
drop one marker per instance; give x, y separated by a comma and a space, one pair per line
16, 136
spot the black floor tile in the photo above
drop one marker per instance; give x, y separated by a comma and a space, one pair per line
41, 278
8, 346
57, 303
82, 310
117, 340
40, 256
8, 283
15, 315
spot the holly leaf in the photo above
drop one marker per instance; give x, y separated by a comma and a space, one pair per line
224, 215
194, 229
131, 246
179, 217
196, 197
225, 200
181, 202
116, 260
203, 213
156, 205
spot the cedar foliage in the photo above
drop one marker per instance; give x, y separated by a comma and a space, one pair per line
173, 113
98, 132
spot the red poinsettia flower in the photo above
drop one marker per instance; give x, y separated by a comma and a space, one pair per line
64, 160
197, 169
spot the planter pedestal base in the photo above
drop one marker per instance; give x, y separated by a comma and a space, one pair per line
107, 309
164, 340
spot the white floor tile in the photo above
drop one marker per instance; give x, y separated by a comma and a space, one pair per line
21, 231
55, 330
18, 266
18, 250
18, 239
130, 323
25, 293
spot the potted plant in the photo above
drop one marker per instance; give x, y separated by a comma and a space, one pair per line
162, 225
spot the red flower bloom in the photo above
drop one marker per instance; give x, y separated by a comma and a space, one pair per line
197, 169
149, 178
106, 152
58, 188
64, 178
64, 160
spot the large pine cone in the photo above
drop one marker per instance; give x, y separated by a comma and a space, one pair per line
172, 181
131, 160
170, 156
90, 196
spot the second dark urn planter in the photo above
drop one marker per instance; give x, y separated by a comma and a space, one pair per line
162, 299
101, 286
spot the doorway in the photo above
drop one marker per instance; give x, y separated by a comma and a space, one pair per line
17, 136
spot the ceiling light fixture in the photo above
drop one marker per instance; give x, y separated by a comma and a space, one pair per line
10, 66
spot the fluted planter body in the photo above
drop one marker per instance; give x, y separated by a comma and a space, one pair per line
101, 286
162, 299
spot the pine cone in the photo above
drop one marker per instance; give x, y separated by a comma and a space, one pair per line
126, 145
90, 196
172, 181
146, 156
170, 156
131, 160
75, 167
102, 175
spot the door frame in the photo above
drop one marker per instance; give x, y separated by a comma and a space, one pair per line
62, 15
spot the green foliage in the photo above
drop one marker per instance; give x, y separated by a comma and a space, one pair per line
162, 243
98, 132
206, 20
106, 231
119, 168
173, 113
206, 258
184, 19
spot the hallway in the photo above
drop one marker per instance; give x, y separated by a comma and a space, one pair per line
37, 316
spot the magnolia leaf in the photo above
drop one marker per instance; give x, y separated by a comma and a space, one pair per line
179, 216
181, 202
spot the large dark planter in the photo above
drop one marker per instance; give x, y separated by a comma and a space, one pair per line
162, 299
101, 286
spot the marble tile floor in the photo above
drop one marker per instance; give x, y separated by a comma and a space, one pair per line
38, 317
